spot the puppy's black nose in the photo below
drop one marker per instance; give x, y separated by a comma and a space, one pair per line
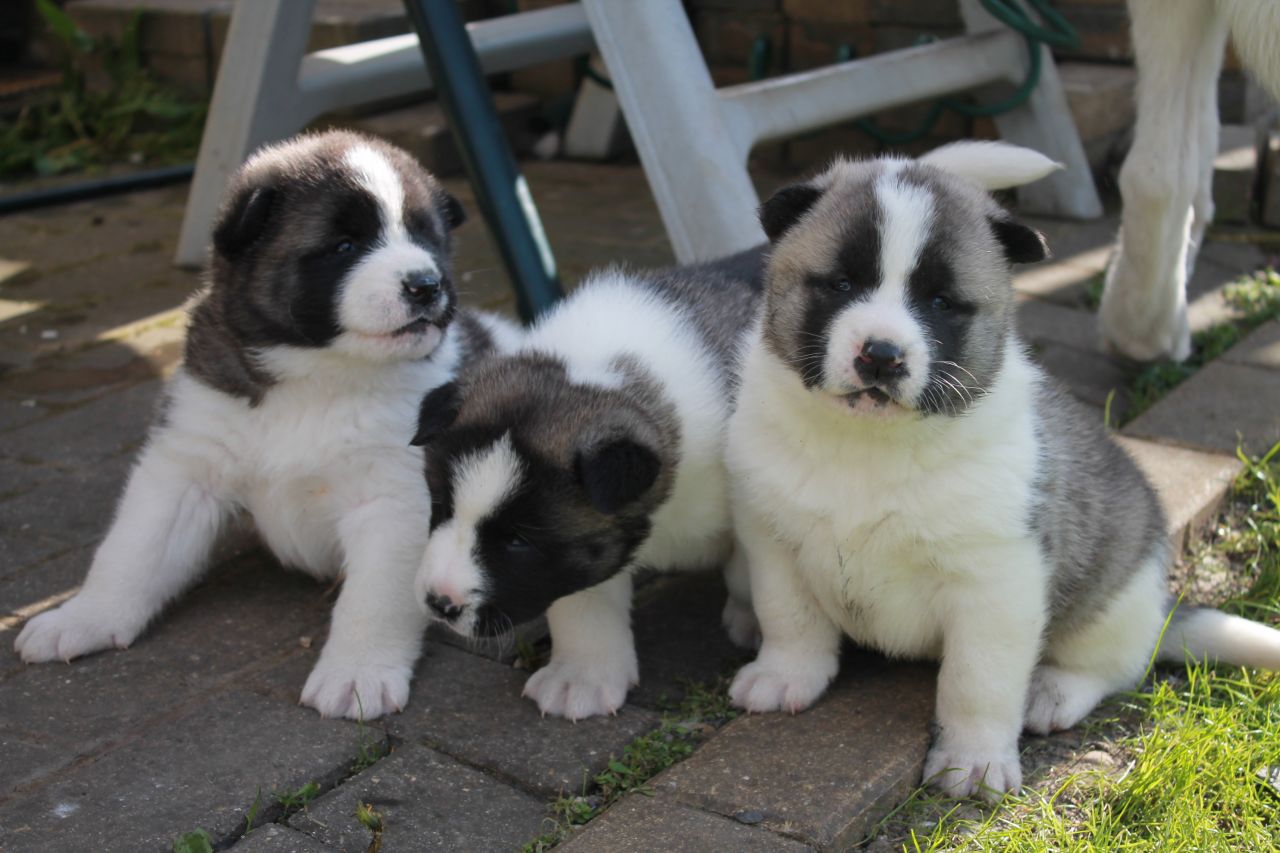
421, 287
880, 360
443, 606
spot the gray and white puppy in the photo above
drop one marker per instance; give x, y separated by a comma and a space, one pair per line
595, 448
330, 311
904, 474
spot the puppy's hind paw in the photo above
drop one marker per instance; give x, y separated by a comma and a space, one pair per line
74, 629
741, 625
356, 690
760, 687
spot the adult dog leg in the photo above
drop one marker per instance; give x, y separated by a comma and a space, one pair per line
1178, 46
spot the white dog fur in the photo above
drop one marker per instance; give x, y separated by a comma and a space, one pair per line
1167, 178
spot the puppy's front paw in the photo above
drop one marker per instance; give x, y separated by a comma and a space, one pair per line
74, 629
741, 624
762, 687
958, 771
356, 689
576, 690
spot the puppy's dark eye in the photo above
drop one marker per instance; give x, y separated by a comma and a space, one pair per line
516, 542
941, 303
343, 246
842, 285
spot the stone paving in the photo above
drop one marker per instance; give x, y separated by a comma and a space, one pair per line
198, 721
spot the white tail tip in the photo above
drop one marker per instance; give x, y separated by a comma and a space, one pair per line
993, 165
1204, 634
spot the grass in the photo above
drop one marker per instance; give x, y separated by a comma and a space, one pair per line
127, 116
703, 708
1200, 755
1255, 299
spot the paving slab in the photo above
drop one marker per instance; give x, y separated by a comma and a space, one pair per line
1090, 375
470, 708
244, 618
1223, 405
1261, 348
1192, 484
428, 801
1041, 322
639, 824
108, 427
824, 776
203, 769
274, 838
679, 639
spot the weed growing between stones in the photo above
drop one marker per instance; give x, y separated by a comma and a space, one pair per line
368, 751
702, 710
1189, 762
195, 841
296, 800
372, 821
1255, 299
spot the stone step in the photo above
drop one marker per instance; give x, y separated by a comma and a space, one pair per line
1232, 402
1235, 174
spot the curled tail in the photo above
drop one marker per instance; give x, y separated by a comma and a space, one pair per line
1202, 633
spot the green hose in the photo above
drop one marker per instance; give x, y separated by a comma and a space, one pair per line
1059, 34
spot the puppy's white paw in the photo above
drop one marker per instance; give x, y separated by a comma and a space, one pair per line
957, 770
576, 690
77, 628
741, 624
354, 689
768, 686
1059, 698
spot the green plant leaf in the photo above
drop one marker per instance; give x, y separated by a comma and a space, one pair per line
196, 841
62, 26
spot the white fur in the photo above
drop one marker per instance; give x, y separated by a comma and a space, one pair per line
1167, 178
908, 217
593, 660
324, 467
448, 564
992, 165
372, 307
923, 522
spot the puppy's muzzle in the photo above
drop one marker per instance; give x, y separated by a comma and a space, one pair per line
443, 607
880, 362
421, 288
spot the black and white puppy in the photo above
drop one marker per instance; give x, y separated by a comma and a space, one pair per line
904, 474
595, 448
329, 313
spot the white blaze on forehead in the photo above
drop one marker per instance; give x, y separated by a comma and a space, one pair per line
382, 181
484, 480
906, 214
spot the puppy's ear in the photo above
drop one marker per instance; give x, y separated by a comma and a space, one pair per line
1021, 244
785, 207
454, 213
243, 220
437, 413
616, 473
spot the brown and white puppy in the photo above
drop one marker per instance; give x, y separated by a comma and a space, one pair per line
329, 312
593, 449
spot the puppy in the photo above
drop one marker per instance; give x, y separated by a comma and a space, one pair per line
903, 473
595, 448
329, 313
